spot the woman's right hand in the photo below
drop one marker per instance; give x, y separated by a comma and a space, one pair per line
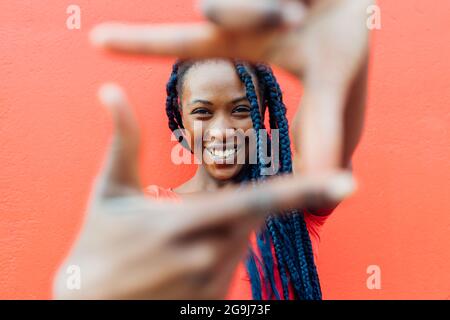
134, 247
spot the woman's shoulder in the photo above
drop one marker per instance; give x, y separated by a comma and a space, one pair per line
315, 219
159, 192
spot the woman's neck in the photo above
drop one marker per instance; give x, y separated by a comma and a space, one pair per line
202, 182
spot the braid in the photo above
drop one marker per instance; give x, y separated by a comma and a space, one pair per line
281, 264
317, 292
252, 270
307, 285
172, 108
258, 124
263, 241
290, 227
278, 110
264, 246
299, 222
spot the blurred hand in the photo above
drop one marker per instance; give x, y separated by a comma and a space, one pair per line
134, 247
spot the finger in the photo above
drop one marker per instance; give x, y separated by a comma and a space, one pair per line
119, 175
227, 228
253, 14
182, 40
281, 193
236, 253
319, 131
217, 281
207, 254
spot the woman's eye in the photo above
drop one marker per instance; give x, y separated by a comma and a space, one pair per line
201, 111
241, 109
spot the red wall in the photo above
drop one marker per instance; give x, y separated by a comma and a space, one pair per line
53, 134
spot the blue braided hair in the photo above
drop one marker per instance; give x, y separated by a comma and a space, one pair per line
292, 256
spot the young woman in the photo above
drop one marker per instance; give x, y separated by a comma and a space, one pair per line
188, 243
226, 96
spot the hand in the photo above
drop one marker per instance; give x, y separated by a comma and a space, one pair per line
323, 42
133, 247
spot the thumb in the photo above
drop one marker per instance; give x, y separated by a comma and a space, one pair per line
119, 175
319, 129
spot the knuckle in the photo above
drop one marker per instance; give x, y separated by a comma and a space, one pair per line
204, 258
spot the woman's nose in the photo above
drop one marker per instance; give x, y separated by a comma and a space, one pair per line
219, 130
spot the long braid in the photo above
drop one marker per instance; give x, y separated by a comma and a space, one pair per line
281, 261
172, 108
258, 126
302, 240
317, 292
255, 277
289, 257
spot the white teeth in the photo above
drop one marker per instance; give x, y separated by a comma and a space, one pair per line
222, 153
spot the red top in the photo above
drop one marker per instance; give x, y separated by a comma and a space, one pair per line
240, 288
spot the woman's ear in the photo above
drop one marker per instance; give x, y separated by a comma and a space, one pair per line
182, 138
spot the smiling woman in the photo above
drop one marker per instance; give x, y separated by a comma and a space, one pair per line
226, 96
213, 100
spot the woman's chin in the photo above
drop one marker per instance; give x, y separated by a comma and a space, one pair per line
224, 172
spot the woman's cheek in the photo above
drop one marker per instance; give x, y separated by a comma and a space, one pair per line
194, 136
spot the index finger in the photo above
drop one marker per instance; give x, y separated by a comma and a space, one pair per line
198, 40
262, 200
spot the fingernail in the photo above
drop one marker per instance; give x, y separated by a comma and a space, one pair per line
99, 36
341, 186
110, 94
294, 13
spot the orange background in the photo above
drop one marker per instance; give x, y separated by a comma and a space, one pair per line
53, 134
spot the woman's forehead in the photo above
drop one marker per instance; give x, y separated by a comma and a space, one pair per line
211, 77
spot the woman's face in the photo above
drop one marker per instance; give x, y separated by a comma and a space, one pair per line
214, 109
